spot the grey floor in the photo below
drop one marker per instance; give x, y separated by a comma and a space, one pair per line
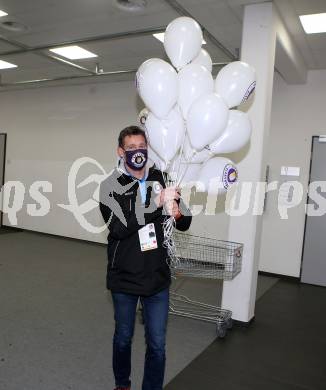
56, 317
283, 349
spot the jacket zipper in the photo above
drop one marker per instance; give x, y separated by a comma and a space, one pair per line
115, 251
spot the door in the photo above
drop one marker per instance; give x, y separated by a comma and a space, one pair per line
2, 167
313, 269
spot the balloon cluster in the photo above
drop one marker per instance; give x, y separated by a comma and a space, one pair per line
190, 117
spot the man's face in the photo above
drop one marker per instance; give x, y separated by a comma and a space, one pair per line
132, 142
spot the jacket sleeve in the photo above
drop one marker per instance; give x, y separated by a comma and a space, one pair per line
184, 222
120, 219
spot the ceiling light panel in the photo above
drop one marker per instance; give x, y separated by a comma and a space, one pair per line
314, 23
73, 52
6, 65
160, 37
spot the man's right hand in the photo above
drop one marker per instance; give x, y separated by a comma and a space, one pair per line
167, 195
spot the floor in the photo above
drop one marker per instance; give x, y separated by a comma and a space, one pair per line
284, 349
56, 323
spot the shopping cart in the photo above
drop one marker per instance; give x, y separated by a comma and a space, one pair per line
202, 257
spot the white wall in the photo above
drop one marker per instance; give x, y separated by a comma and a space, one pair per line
298, 113
50, 127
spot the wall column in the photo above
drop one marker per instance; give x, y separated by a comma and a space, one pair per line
257, 49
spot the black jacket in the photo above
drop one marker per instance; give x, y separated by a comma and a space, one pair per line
129, 269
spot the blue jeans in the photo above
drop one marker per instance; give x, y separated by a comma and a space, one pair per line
155, 314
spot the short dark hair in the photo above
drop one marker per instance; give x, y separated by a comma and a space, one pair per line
130, 130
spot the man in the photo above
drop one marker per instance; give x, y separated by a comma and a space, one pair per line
134, 202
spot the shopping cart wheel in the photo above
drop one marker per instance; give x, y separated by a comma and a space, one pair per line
229, 323
220, 331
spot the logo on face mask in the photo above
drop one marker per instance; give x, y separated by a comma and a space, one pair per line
136, 159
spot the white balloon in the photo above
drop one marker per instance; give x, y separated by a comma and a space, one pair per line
206, 120
236, 134
204, 59
236, 82
154, 158
182, 41
157, 85
190, 174
216, 176
192, 156
194, 80
182, 171
175, 166
165, 135
142, 116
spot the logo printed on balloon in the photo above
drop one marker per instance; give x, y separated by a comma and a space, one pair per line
230, 175
235, 82
137, 81
143, 115
249, 91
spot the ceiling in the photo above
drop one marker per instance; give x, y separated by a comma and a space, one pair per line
51, 23
311, 46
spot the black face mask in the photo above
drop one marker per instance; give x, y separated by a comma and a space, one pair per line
136, 159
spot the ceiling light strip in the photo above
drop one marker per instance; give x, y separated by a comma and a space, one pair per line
66, 78
72, 64
107, 37
24, 49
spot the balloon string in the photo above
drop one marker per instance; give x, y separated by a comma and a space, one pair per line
170, 222
181, 151
183, 175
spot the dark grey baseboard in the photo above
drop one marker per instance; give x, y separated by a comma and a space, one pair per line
55, 235
283, 277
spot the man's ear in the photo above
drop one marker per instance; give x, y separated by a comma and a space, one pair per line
120, 151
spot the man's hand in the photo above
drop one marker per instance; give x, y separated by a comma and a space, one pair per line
166, 196
172, 209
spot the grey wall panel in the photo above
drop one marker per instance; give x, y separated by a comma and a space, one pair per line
2, 166
314, 247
